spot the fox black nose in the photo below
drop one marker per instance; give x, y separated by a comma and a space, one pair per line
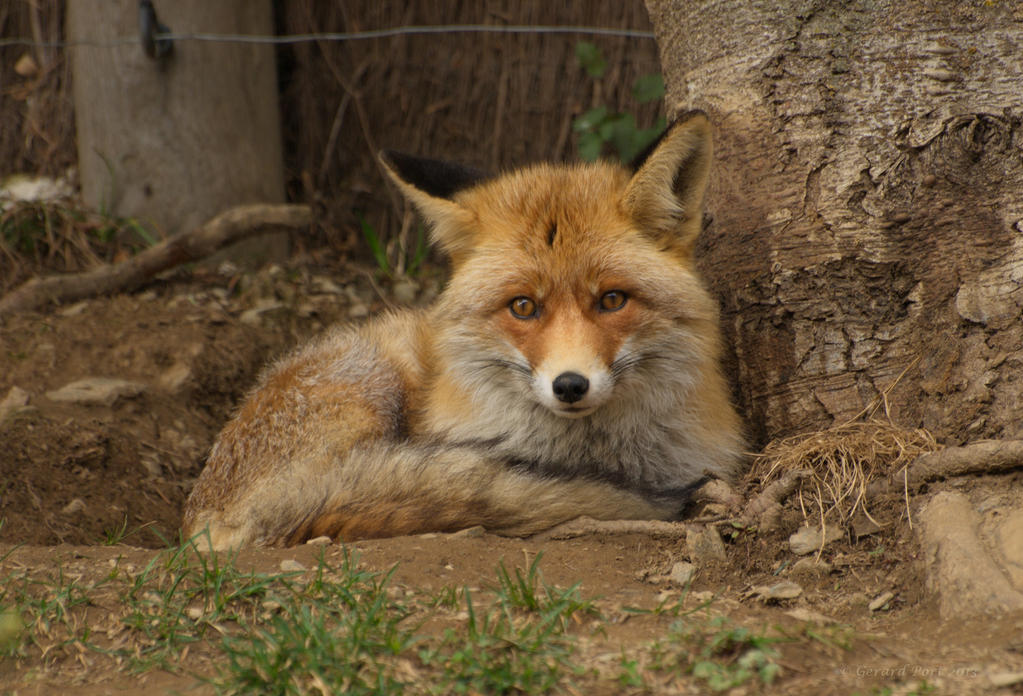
570, 387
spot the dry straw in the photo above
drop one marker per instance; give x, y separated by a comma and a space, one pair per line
841, 461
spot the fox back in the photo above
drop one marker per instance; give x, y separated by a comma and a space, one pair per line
570, 367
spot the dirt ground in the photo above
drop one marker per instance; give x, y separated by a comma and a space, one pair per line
117, 468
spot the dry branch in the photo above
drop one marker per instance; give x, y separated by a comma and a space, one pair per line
586, 526
984, 457
230, 226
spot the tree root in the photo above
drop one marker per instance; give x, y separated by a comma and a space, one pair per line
584, 526
229, 226
984, 457
764, 511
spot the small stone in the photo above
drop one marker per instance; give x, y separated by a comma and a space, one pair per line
96, 390
682, 573
809, 615
810, 567
194, 613
73, 310
152, 466
810, 539
702, 597
358, 310
470, 532
74, 507
405, 290
786, 589
644, 574
881, 601
16, 399
704, 544
175, 377
26, 66
290, 565
254, 316
322, 285
320, 541
864, 526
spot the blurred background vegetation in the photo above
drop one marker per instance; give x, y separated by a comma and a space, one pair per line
493, 101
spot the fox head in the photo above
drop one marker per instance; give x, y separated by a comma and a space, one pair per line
570, 280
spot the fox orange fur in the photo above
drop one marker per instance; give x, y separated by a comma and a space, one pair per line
569, 368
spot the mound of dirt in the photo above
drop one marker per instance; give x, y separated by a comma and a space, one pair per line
108, 407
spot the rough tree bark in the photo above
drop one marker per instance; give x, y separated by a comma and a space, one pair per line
174, 141
867, 204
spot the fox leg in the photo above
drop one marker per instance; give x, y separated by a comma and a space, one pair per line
267, 467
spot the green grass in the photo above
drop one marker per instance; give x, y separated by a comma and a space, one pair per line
339, 628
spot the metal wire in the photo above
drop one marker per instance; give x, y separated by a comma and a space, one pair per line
344, 36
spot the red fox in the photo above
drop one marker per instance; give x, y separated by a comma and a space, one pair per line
569, 368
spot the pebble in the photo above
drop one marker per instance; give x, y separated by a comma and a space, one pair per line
319, 541
880, 601
290, 565
804, 614
470, 532
151, 465
175, 377
786, 589
96, 390
74, 507
810, 567
17, 398
682, 573
704, 544
73, 310
325, 286
254, 316
810, 539
405, 290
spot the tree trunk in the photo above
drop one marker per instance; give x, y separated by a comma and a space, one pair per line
176, 140
867, 205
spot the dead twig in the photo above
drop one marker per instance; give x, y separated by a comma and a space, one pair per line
227, 227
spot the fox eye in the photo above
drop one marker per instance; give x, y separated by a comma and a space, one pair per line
612, 301
523, 308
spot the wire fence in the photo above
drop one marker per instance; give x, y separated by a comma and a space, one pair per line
339, 36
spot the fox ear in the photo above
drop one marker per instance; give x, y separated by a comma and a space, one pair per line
665, 195
431, 186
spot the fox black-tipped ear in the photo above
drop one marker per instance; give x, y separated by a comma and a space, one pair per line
665, 194
434, 177
431, 186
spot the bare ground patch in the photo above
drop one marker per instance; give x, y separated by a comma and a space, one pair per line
859, 614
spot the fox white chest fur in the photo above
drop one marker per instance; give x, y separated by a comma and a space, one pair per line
569, 368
